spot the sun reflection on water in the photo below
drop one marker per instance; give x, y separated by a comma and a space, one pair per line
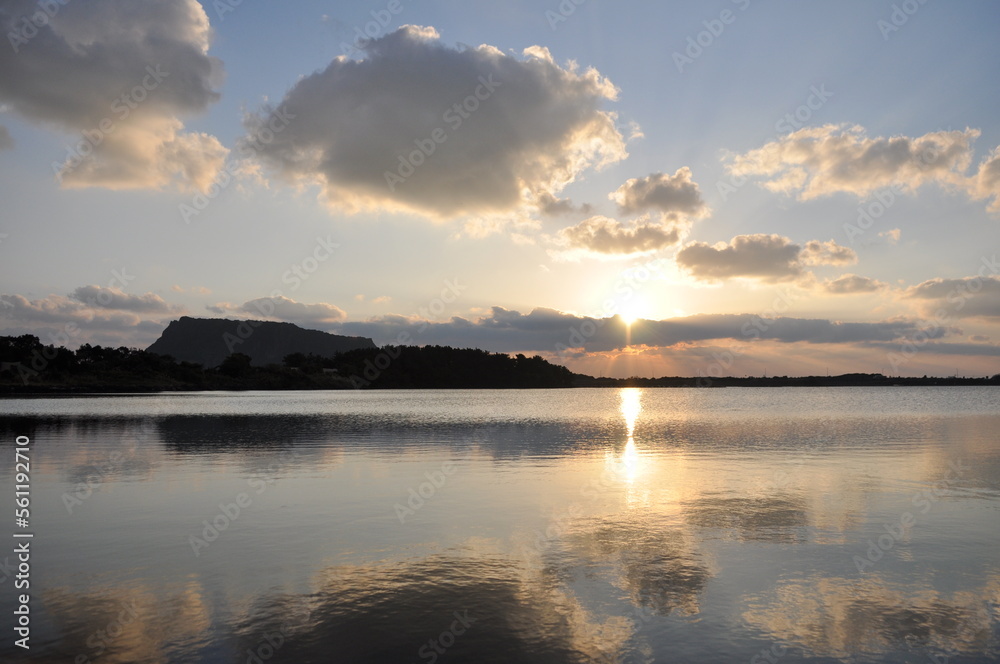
630, 461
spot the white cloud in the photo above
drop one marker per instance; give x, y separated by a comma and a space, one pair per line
827, 253
892, 235
767, 258
672, 203
987, 180
119, 73
820, 161
417, 126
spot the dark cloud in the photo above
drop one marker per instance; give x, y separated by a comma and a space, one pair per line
6, 142
116, 299
552, 206
119, 72
970, 297
548, 330
417, 126
320, 315
768, 258
945, 348
601, 236
66, 321
850, 284
676, 196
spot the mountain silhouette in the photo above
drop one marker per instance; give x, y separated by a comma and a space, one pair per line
209, 341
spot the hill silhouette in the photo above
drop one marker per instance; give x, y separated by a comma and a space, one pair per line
209, 341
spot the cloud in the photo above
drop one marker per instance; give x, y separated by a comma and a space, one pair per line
827, 253
820, 161
200, 290
850, 284
115, 299
893, 235
768, 258
120, 72
635, 132
552, 206
6, 142
608, 238
987, 181
416, 126
548, 330
969, 297
676, 196
281, 308
68, 321
672, 203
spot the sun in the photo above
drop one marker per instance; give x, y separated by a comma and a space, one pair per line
633, 310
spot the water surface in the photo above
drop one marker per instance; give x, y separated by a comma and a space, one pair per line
673, 525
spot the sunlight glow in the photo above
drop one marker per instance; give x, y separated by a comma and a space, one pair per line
631, 406
636, 308
631, 398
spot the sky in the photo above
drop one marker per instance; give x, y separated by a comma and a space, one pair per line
735, 187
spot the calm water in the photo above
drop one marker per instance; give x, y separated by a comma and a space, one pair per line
725, 525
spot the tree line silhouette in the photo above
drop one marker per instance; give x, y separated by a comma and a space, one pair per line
27, 365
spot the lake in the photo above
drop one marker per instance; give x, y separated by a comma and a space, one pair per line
605, 525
